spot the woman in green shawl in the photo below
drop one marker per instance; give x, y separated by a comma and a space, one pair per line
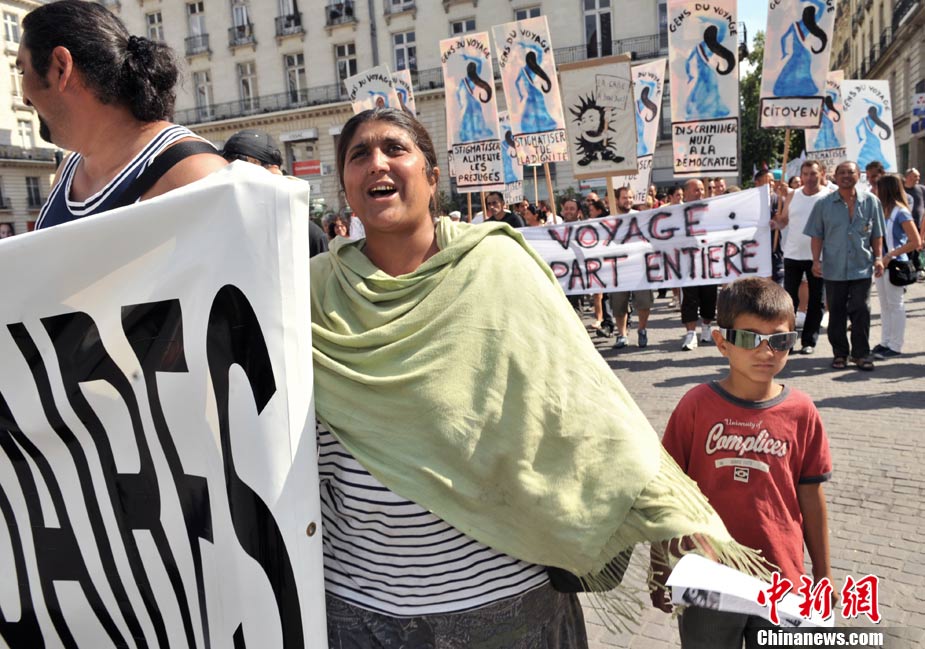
459, 449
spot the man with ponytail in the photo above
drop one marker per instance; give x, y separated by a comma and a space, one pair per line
107, 96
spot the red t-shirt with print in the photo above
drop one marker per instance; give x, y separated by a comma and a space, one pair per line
748, 458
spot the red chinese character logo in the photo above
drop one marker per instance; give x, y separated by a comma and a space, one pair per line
770, 597
860, 598
818, 599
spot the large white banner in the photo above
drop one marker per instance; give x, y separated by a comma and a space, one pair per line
648, 87
713, 241
475, 154
703, 68
531, 89
827, 143
796, 58
598, 99
869, 132
158, 484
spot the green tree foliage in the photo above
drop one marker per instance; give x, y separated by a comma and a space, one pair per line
761, 145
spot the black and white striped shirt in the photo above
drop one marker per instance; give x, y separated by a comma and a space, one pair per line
389, 555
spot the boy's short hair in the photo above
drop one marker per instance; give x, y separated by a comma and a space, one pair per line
757, 296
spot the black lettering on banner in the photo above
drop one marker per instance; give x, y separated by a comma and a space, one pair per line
155, 333
611, 226
672, 261
660, 235
135, 497
653, 269
749, 251
730, 252
235, 338
633, 232
33, 359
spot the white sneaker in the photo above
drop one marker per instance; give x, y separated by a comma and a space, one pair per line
801, 319
705, 335
825, 320
690, 341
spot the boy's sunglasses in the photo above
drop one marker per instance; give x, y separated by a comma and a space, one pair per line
779, 342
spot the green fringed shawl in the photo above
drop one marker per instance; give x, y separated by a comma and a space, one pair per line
471, 388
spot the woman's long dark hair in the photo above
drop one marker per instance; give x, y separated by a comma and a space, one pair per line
872, 113
473, 76
649, 104
890, 192
830, 104
711, 38
809, 19
536, 69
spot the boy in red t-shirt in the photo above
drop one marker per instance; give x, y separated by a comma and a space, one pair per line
758, 451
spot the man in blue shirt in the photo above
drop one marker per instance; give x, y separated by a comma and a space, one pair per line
847, 240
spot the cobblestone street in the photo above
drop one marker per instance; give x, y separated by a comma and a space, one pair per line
876, 497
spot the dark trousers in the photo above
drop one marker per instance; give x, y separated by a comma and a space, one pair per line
794, 270
698, 299
849, 300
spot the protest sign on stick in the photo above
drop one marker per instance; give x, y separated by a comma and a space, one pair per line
827, 143
703, 68
158, 482
796, 60
513, 170
601, 124
648, 86
372, 88
473, 136
404, 88
712, 241
869, 132
531, 88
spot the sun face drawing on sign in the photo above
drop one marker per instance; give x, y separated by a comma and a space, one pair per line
795, 66
712, 60
831, 132
372, 88
405, 91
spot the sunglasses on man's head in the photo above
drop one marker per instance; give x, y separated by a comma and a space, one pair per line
779, 342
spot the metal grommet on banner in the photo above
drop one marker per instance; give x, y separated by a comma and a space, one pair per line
310, 530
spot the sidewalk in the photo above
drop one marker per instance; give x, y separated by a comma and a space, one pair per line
876, 497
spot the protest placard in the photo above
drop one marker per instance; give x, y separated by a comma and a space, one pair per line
703, 69
475, 151
827, 143
531, 88
796, 60
712, 241
404, 88
868, 114
597, 96
158, 482
648, 86
372, 88
513, 170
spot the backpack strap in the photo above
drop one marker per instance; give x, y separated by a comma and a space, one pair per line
163, 163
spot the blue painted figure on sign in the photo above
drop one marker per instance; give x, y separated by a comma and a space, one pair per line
403, 99
379, 98
470, 95
796, 78
535, 117
508, 157
870, 131
646, 110
704, 100
826, 138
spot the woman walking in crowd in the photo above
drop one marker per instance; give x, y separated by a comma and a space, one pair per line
441, 507
900, 238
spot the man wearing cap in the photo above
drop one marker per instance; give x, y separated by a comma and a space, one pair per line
257, 147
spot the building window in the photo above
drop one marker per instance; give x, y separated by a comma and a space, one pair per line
346, 58
530, 12
155, 26
405, 51
247, 85
26, 133
239, 15
458, 27
196, 13
33, 195
295, 77
598, 35
15, 81
662, 25
202, 85
11, 28
400, 5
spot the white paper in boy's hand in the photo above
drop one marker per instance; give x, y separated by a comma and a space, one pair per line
697, 581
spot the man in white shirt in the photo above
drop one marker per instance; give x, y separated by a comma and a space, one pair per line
798, 253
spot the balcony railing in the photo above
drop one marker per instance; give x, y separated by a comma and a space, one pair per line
198, 44
392, 8
241, 35
10, 152
339, 13
5, 203
288, 25
902, 9
432, 79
